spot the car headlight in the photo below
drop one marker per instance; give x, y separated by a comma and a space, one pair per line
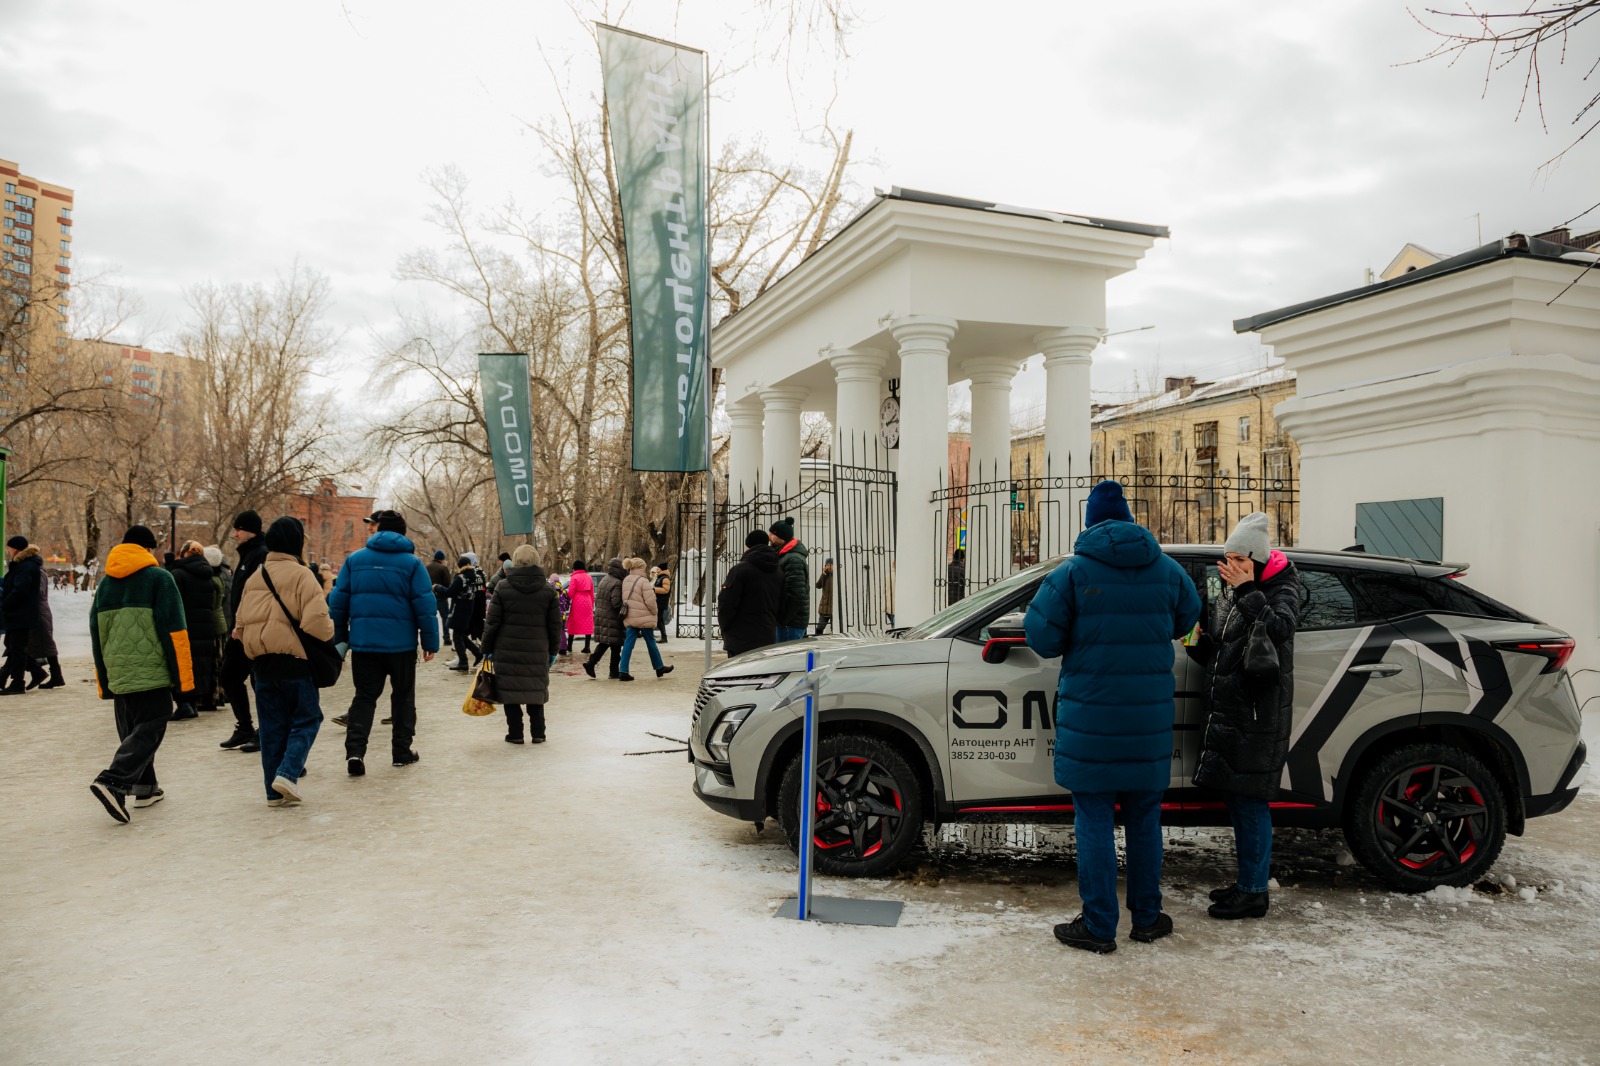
722, 684
724, 729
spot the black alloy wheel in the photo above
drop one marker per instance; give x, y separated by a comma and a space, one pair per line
1428, 815
869, 806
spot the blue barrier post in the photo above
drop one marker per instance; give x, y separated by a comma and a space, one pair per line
808, 798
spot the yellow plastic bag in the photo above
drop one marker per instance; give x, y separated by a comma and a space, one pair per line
475, 705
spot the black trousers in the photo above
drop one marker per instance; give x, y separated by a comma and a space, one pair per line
236, 682
535, 719
823, 621
369, 670
465, 644
14, 673
662, 606
600, 652
141, 726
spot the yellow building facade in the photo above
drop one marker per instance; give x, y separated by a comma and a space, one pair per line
1194, 459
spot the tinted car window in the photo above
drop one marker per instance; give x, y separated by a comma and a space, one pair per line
1397, 595
1326, 600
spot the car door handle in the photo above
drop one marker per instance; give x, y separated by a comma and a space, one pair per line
1377, 669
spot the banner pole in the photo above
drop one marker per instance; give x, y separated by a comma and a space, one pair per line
808, 799
708, 564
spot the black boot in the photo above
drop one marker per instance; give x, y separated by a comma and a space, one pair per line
56, 680
536, 723
1239, 905
242, 734
36, 674
184, 710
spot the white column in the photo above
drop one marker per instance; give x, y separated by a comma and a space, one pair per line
1067, 358
858, 377
989, 514
924, 450
780, 440
744, 449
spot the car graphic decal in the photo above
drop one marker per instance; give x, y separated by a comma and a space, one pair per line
1464, 660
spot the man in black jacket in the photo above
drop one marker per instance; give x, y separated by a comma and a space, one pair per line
747, 606
235, 663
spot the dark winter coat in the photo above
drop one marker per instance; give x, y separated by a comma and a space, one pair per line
794, 606
219, 600
467, 601
1112, 611
197, 588
955, 582
825, 601
19, 589
383, 600
608, 627
252, 553
42, 637
522, 631
747, 606
1249, 716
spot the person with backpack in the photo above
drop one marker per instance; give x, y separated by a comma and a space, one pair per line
467, 605
281, 594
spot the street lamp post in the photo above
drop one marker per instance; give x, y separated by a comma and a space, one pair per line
173, 506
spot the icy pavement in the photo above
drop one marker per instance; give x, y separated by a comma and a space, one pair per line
573, 903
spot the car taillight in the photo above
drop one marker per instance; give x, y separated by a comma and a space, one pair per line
1557, 652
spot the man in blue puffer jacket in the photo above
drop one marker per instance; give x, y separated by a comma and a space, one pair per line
1112, 611
381, 604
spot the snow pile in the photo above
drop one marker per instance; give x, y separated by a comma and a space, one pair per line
1448, 894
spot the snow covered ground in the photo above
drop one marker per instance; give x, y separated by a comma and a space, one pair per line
573, 903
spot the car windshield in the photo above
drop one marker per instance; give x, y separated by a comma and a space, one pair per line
958, 614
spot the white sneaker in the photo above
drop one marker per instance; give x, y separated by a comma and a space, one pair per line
283, 801
151, 800
286, 788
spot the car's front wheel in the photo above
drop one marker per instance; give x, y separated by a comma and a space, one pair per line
1427, 815
869, 806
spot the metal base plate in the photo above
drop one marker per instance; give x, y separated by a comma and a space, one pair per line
837, 911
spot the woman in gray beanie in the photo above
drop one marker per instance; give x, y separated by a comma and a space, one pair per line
1250, 704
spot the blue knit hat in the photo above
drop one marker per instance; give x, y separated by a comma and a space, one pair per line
1107, 505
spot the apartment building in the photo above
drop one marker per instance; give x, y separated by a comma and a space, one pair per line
35, 265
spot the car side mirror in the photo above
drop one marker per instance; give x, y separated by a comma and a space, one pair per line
1004, 634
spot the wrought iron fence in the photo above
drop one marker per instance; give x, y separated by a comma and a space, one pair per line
1002, 524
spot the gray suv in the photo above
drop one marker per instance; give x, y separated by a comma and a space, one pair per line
1429, 721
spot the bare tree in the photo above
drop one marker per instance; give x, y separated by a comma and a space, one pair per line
1534, 38
262, 434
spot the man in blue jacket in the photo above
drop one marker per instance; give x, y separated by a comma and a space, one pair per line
1112, 611
381, 604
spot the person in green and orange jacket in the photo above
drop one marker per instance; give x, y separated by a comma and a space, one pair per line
141, 655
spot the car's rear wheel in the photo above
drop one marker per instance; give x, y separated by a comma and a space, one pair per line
869, 806
1427, 815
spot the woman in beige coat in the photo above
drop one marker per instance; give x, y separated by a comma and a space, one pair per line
639, 615
287, 704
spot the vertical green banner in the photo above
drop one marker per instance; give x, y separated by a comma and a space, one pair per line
508, 413
655, 103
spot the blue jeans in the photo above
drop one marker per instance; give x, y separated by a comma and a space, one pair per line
1252, 841
288, 714
1094, 816
649, 638
791, 633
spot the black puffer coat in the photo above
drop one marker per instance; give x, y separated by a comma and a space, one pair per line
42, 637
522, 631
195, 585
1247, 727
747, 606
19, 589
608, 627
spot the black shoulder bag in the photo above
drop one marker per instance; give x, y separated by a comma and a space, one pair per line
326, 662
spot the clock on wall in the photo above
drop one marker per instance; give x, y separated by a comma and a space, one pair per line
889, 420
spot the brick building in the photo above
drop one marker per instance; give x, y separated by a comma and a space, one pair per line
332, 518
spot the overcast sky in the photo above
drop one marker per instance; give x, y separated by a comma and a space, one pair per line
1288, 146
